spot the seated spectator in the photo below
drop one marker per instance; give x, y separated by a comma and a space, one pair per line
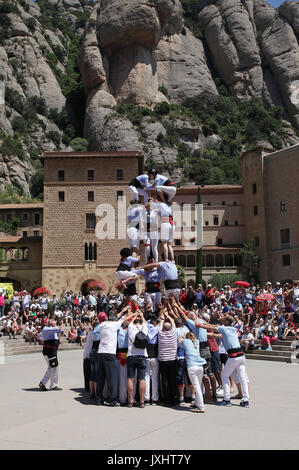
289, 330
247, 340
30, 333
267, 339
81, 335
72, 335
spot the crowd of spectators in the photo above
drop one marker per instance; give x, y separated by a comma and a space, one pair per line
267, 321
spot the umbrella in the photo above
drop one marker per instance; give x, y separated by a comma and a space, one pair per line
242, 284
265, 297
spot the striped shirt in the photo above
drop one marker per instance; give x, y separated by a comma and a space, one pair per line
167, 345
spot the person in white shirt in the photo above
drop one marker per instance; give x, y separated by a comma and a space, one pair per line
89, 386
107, 359
136, 358
26, 300
247, 340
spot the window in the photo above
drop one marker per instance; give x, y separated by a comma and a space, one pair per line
235, 203
119, 175
284, 236
207, 222
177, 242
8, 217
25, 217
216, 220
210, 261
219, 260
36, 219
286, 260
61, 196
90, 221
90, 196
36, 233
219, 241
283, 206
257, 241
90, 251
90, 175
255, 210
182, 261
191, 262
25, 234
226, 222
254, 188
236, 222
60, 175
229, 261
223, 203
120, 195
209, 203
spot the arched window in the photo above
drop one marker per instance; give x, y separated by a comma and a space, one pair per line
90, 251
23, 253
219, 260
229, 260
182, 260
191, 261
238, 260
210, 261
203, 261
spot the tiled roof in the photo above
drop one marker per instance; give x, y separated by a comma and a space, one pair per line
22, 206
91, 154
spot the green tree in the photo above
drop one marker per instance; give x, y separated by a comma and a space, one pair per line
199, 248
250, 258
181, 274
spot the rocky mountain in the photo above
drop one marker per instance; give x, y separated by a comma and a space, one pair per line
189, 83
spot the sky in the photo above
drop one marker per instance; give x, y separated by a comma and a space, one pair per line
275, 3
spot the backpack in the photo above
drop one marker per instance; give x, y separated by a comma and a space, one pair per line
140, 341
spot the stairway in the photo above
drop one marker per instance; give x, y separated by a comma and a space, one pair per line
281, 351
19, 346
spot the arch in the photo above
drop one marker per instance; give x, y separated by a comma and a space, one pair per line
182, 260
11, 254
219, 261
23, 253
210, 262
228, 260
191, 262
238, 260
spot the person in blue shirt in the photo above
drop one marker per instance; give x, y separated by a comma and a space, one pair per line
195, 365
236, 360
122, 350
181, 330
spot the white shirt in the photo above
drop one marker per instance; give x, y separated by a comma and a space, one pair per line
132, 331
88, 345
250, 337
108, 336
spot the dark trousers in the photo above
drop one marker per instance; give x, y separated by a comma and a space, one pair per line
168, 373
86, 372
107, 370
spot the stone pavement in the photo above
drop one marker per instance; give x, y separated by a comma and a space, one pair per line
31, 419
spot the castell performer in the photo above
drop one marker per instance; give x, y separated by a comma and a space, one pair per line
123, 271
167, 227
235, 363
162, 184
152, 278
49, 335
134, 225
169, 275
151, 232
139, 187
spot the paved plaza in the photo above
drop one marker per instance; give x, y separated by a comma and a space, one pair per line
31, 419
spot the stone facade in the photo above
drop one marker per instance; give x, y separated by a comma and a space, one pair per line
77, 190
271, 210
222, 232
